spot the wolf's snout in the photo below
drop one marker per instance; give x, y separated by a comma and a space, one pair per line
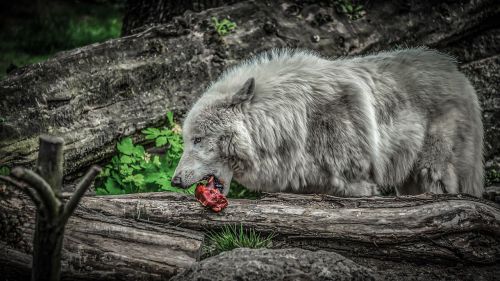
177, 181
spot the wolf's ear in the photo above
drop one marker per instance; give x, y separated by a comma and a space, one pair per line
245, 93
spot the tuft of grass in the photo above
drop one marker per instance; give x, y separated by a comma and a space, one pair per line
232, 237
223, 27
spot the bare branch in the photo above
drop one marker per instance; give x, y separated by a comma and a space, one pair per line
41, 187
82, 186
25, 188
50, 162
12, 181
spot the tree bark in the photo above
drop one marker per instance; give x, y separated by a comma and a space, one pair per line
96, 94
153, 235
97, 246
141, 13
48, 237
426, 227
51, 214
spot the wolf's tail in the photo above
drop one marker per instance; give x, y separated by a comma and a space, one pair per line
474, 183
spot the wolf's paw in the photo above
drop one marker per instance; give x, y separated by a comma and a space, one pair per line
492, 193
364, 189
438, 179
431, 174
430, 180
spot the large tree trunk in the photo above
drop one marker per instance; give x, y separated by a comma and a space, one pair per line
134, 235
96, 94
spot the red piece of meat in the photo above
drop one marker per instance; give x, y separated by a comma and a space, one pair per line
210, 197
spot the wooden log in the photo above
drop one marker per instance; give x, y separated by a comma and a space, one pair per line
152, 236
51, 215
49, 234
97, 246
430, 228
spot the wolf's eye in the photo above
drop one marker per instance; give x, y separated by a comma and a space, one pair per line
196, 140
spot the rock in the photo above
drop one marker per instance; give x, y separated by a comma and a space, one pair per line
275, 264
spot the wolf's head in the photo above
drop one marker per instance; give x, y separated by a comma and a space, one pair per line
216, 141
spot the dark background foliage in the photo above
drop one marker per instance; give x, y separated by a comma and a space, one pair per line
32, 31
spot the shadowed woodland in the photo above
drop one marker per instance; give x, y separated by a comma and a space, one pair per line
114, 80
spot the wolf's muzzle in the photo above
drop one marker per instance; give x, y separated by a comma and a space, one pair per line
177, 182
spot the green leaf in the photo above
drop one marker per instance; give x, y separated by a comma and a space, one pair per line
151, 133
4, 171
215, 21
112, 187
130, 188
166, 132
155, 177
133, 170
116, 177
125, 159
126, 170
115, 161
170, 118
138, 151
138, 179
156, 161
126, 146
105, 172
101, 191
161, 141
136, 167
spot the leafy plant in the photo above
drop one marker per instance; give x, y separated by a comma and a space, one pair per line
4, 171
350, 8
492, 177
231, 237
134, 170
224, 26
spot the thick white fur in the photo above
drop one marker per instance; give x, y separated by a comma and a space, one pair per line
406, 119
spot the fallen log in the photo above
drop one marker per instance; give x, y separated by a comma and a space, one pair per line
431, 228
152, 236
97, 246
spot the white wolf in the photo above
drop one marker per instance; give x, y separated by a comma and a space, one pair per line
294, 121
